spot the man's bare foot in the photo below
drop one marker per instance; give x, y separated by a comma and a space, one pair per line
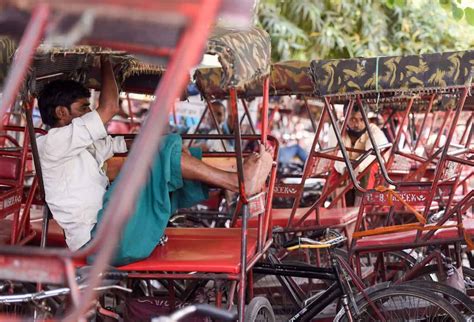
256, 169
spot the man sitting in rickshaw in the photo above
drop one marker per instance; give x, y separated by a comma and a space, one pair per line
356, 137
77, 189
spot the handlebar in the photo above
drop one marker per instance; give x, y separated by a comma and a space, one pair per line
327, 239
201, 309
28, 297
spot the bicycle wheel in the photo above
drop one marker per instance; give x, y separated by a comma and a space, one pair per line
431, 271
397, 263
468, 280
259, 310
460, 300
404, 303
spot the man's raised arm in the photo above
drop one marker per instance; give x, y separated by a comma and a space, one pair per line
109, 96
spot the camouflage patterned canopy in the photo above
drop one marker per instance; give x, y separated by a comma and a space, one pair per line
291, 77
7, 50
393, 75
132, 76
81, 63
244, 56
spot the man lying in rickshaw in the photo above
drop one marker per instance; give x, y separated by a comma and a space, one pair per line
77, 189
356, 137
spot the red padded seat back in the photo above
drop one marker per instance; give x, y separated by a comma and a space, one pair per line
9, 168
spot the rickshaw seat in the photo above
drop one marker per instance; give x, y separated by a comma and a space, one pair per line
393, 238
207, 250
450, 233
409, 236
9, 168
55, 233
5, 231
214, 250
327, 217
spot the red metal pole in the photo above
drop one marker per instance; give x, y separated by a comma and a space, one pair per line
266, 88
399, 134
238, 142
130, 112
447, 116
23, 57
442, 159
21, 177
428, 110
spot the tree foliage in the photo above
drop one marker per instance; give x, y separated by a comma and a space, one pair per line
311, 29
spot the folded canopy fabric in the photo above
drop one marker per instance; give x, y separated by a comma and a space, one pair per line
398, 75
7, 50
287, 78
81, 63
245, 56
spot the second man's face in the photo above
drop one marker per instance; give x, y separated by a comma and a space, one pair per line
356, 122
219, 113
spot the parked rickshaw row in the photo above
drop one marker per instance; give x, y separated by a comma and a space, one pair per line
387, 236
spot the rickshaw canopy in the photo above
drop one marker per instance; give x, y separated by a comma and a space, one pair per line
286, 78
245, 57
7, 50
81, 63
393, 76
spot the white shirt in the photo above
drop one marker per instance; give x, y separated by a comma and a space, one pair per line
71, 158
218, 145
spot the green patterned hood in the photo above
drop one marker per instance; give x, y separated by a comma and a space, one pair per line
287, 78
399, 75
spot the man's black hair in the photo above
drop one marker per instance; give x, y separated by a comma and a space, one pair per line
218, 102
355, 108
59, 93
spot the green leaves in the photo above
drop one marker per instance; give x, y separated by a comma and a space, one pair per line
395, 3
399, 3
308, 29
390, 3
445, 4
458, 13
469, 12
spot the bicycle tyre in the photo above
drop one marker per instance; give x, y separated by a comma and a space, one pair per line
259, 310
468, 273
459, 299
406, 295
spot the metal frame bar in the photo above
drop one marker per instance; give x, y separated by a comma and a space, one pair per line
23, 58
423, 123
247, 112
